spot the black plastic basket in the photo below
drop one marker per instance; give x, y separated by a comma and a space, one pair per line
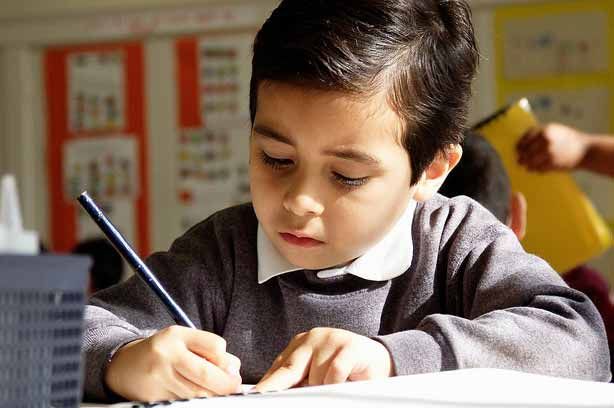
41, 323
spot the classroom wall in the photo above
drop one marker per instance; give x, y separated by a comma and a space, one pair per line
23, 40
30, 9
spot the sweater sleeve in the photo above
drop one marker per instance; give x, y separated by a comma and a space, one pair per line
504, 308
190, 272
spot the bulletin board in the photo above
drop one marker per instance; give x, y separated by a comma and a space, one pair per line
213, 131
96, 140
560, 55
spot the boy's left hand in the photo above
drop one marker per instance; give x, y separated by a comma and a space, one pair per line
327, 356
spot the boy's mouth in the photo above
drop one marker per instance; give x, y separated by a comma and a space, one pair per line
300, 240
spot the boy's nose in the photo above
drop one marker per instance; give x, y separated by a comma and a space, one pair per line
303, 205
300, 199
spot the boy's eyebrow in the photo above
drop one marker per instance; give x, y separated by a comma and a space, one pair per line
356, 155
270, 133
343, 153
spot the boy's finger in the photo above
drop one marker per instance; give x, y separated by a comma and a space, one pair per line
232, 365
290, 373
208, 345
276, 364
340, 368
184, 388
281, 358
319, 365
206, 374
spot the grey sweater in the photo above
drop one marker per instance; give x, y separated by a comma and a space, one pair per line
471, 298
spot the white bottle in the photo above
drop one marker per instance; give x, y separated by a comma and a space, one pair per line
13, 238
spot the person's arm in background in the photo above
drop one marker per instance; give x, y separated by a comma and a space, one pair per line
560, 147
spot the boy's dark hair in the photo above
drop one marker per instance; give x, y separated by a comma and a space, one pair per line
480, 175
423, 53
107, 266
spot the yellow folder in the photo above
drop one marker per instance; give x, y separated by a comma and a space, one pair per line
563, 227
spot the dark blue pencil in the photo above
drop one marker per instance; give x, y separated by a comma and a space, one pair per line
133, 259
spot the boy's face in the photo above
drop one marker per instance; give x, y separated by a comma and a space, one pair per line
329, 177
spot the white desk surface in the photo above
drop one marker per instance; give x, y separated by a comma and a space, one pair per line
458, 389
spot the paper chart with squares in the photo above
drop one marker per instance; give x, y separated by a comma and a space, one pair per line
107, 168
567, 43
224, 64
213, 171
96, 91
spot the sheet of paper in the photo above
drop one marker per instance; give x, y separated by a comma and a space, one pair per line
105, 166
460, 388
96, 91
213, 171
544, 45
225, 71
586, 108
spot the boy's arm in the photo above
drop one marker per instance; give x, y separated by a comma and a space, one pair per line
126, 312
504, 308
131, 311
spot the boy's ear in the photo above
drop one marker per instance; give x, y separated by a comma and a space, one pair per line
436, 172
517, 219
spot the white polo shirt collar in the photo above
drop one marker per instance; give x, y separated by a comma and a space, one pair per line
386, 260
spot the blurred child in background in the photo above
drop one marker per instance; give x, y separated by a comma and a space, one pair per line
107, 266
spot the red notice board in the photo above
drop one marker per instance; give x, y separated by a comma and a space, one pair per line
76, 93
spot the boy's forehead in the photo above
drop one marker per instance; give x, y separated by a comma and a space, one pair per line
358, 109
328, 119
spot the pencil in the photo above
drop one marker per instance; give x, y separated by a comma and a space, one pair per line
126, 251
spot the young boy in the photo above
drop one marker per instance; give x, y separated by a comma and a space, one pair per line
346, 266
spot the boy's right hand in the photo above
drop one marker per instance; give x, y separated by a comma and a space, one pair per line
175, 363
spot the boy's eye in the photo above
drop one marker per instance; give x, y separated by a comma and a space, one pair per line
350, 182
274, 162
279, 164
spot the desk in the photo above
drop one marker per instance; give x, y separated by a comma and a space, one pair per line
458, 389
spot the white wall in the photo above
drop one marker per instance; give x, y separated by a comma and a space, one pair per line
31, 9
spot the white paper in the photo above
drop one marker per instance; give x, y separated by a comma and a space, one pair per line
225, 70
570, 43
212, 171
460, 388
96, 91
583, 108
105, 166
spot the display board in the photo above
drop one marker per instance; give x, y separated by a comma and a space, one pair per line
96, 140
213, 138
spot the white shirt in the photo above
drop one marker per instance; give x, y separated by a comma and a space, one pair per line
386, 260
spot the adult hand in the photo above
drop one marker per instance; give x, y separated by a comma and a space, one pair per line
553, 147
